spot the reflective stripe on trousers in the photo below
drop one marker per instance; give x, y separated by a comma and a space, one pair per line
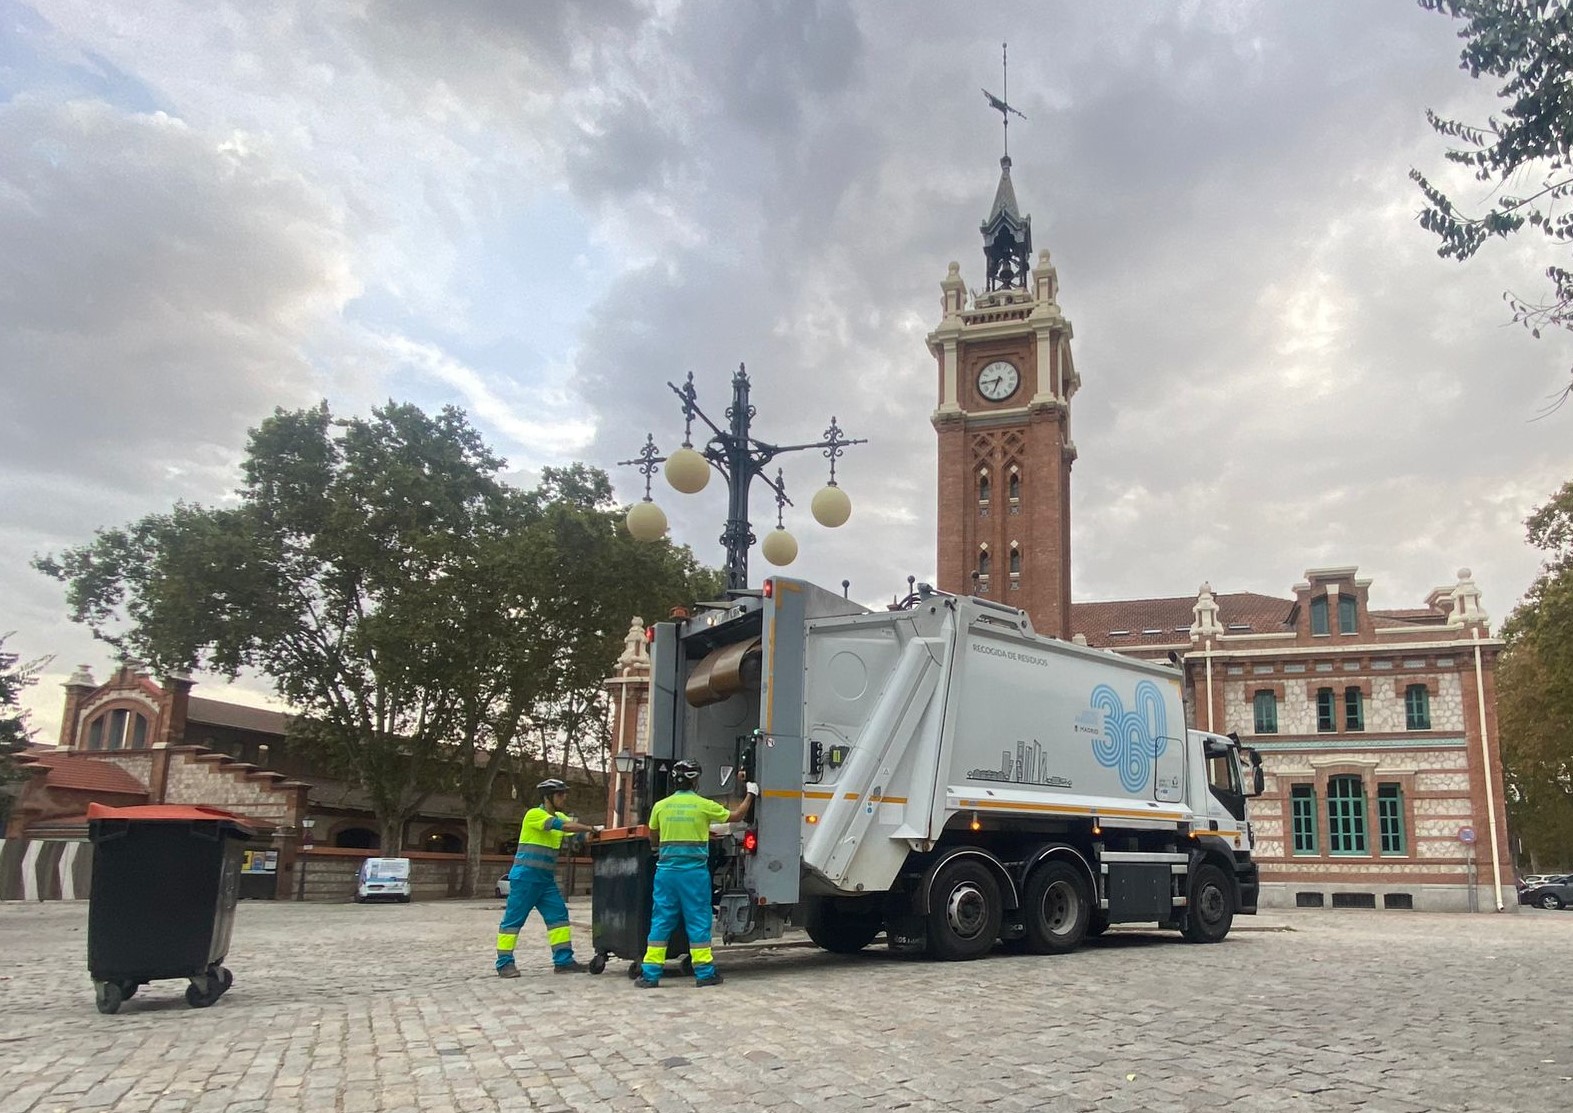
682, 895
531, 890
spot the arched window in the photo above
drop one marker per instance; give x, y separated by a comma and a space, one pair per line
983, 486
119, 728
984, 562
358, 838
443, 842
1013, 487
1015, 561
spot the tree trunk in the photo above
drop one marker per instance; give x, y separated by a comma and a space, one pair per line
475, 831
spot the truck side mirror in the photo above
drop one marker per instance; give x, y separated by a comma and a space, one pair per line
1258, 780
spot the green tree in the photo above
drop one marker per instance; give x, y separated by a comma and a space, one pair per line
15, 675
557, 591
1535, 694
331, 577
429, 622
1523, 154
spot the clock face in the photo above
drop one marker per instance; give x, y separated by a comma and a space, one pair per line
998, 380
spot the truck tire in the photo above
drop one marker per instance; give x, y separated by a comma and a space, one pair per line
1057, 908
840, 929
1211, 909
964, 911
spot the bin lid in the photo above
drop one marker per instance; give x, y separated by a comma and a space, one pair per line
177, 812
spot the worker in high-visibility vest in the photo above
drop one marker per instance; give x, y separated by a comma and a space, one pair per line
532, 882
681, 826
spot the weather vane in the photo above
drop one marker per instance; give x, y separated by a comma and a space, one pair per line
1002, 105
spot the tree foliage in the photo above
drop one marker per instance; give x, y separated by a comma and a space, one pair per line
1523, 153
15, 675
425, 618
1535, 693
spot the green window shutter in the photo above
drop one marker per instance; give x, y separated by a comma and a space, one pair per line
1345, 816
1325, 720
1302, 812
1354, 710
1417, 708
1390, 817
1266, 708
1319, 615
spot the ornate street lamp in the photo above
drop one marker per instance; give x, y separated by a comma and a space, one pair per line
739, 457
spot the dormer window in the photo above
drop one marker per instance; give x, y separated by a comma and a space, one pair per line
1319, 616
1346, 614
119, 728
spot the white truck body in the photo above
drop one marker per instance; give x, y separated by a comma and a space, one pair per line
944, 752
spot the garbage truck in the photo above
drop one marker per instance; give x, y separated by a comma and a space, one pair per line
939, 772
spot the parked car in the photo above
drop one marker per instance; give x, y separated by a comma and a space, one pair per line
1553, 892
383, 879
502, 887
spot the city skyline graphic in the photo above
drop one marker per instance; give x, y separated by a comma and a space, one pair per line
1029, 766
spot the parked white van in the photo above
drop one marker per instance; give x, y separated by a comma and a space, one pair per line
383, 879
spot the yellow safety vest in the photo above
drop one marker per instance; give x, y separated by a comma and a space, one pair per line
539, 837
683, 821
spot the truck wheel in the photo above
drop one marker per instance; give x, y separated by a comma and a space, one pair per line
1057, 908
1211, 910
964, 911
841, 931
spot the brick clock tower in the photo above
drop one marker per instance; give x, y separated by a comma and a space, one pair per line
1005, 384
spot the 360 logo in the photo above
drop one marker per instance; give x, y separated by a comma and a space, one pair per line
1134, 739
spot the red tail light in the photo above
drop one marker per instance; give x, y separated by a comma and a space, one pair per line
770, 589
751, 841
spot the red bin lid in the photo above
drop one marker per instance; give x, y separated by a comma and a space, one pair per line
167, 812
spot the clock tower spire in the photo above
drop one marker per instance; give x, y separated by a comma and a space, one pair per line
1006, 380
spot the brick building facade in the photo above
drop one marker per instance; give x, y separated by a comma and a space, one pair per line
1377, 727
1377, 730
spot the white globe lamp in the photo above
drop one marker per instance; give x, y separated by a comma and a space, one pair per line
687, 471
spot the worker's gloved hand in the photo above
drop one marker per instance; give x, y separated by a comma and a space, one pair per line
753, 788
598, 828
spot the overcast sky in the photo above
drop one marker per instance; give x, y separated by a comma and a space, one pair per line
543, 211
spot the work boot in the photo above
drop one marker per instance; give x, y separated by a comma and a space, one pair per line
572, 967
713, 979
642, 982
509, 971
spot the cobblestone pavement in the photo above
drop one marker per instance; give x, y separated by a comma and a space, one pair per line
395, 1008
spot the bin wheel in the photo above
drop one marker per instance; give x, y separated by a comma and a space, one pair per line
197, 997
220, 981
634, 970
597, 964
687, 964
128, 990
108, 996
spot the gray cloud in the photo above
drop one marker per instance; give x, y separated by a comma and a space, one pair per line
1278, 373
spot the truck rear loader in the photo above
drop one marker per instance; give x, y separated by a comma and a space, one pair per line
943, 774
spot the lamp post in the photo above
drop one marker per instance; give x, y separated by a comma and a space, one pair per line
629, 763
306, 824
740, 458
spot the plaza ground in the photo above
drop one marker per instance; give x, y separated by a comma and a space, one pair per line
395, 1008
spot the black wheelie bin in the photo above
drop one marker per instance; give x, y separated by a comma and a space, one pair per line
622, 888
165, 881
